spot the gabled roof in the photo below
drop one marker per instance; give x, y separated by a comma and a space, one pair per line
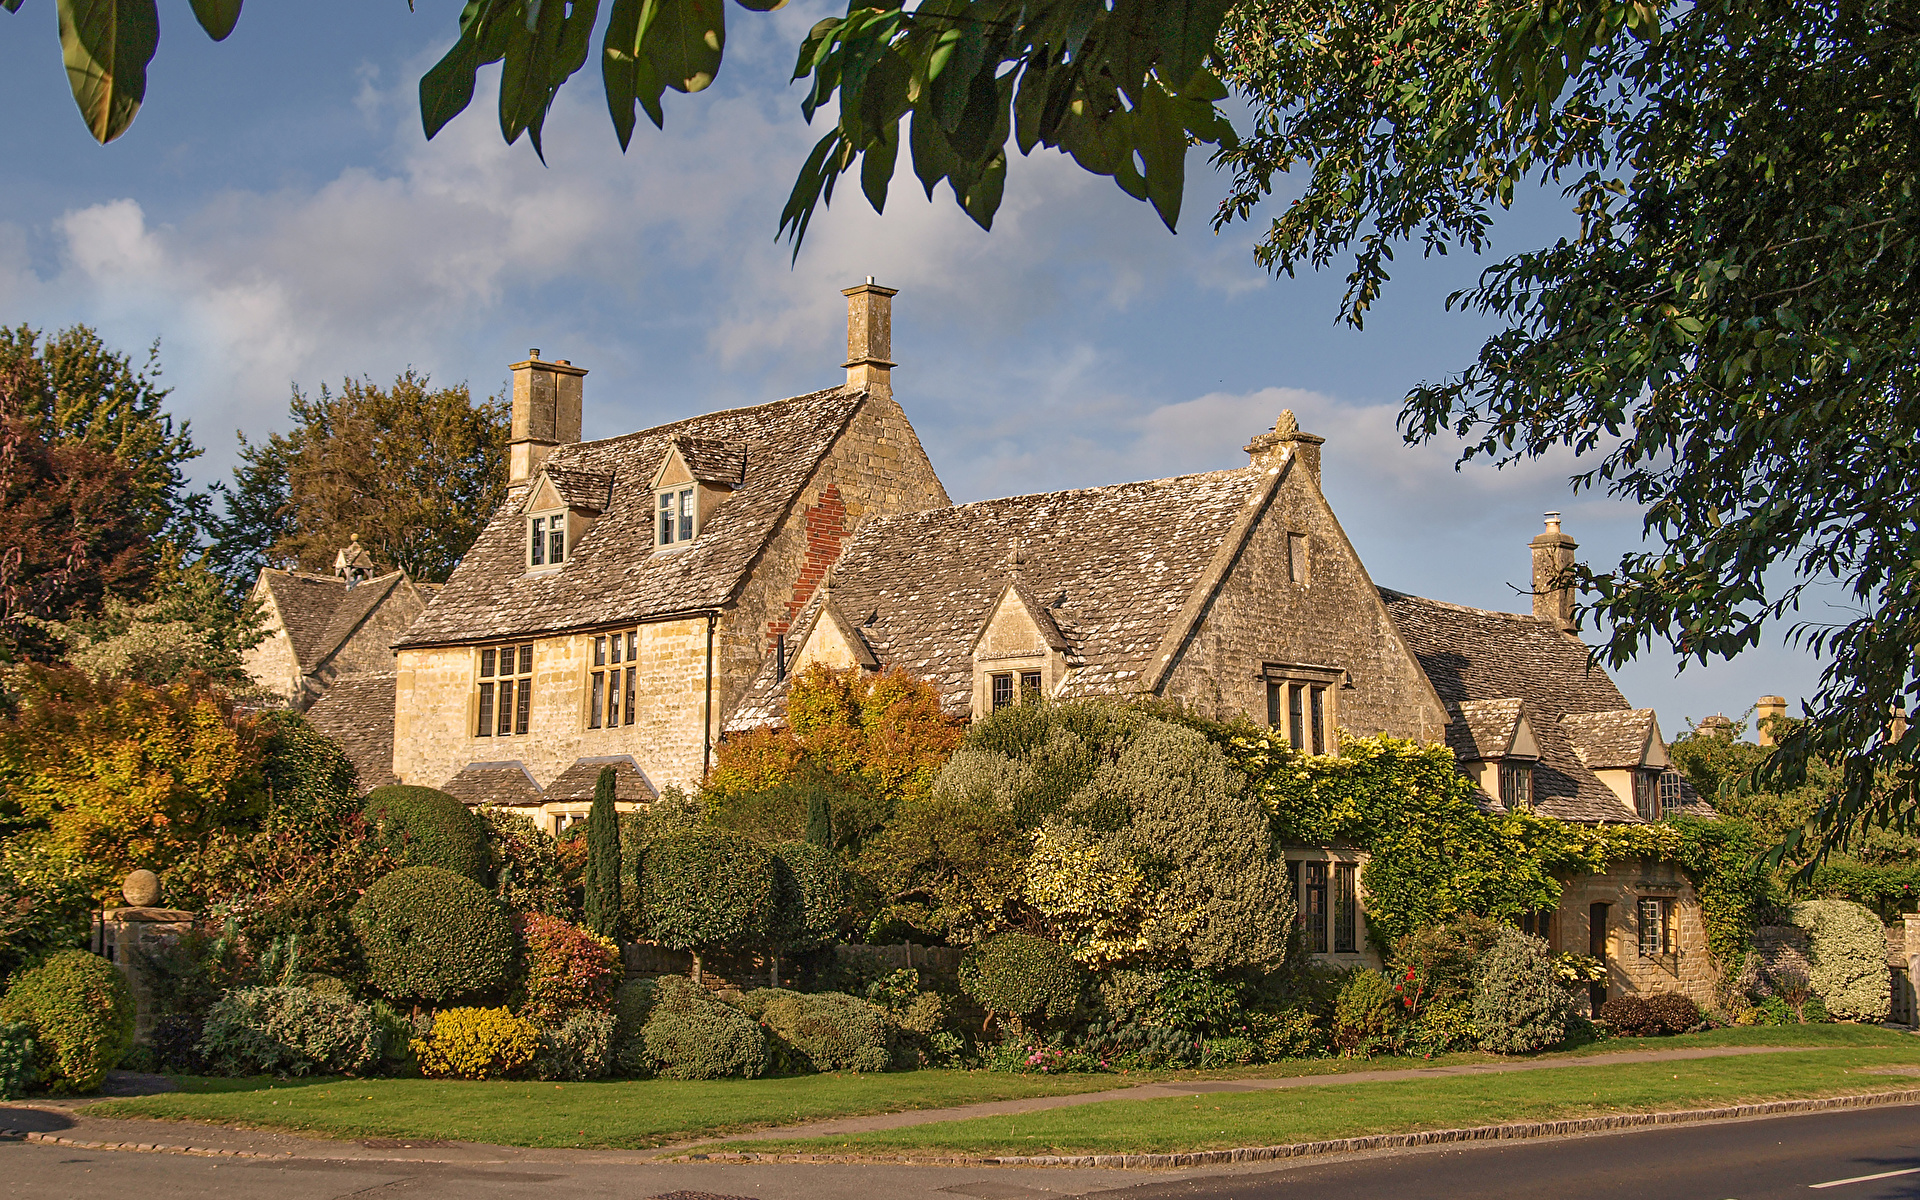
506, 783
1111, 568
1037, 611
321, 612
612, 574
1483, 728
1614, 739
357, 712
713, 460
1474, 655
587, 490
577, 782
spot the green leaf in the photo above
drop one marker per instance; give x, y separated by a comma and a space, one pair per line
684, 39
876, 167
107, 45
11, 5
763, 5
217, 17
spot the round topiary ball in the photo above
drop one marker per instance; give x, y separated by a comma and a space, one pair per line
428, 828
1023, 976
429, 934
81, 1012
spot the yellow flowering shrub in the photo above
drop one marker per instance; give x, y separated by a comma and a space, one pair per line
1095, 897
476, 1043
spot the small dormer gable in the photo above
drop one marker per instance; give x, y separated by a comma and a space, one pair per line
1623, 747
829, 639
1019, 649
562, 505
695, 477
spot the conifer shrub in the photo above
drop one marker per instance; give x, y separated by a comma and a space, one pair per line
289, 1031
476, 1043
431, 935
16, 1059
1848, 949
1023, 977
425, 827
1518, 1004
600, 903
567, 970
578, 1049
80, 1010
832, 1031
691, 1035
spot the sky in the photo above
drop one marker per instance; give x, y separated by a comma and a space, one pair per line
275, 218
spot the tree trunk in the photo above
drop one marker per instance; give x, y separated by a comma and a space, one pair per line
773, 971
699, 968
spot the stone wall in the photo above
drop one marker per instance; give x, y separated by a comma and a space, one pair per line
1691, 971
270, 663
1335, 618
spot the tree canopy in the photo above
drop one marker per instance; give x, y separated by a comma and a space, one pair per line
415, 471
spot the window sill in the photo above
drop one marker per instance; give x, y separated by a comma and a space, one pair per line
547, 569
677, 547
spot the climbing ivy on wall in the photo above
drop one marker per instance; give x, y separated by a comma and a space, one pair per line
1434, 852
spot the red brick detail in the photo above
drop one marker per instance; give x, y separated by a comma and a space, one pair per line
827, 532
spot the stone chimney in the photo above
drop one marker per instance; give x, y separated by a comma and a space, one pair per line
1766, 709
1268, 449
870, 336
1552, 558
546, 413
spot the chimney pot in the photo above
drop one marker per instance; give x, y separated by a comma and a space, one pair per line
546, 413
870, 336
1552, 559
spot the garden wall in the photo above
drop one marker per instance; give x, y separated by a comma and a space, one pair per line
1685, 967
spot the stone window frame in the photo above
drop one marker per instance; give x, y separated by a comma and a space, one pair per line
612, 679
1333, 878
1516, 784
1303, 704
1013, 686
1299, 558
682, 527
490, 717
1658, 937
1670, 794
543, 551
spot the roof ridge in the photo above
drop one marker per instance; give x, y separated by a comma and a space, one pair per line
665, 430
1396, 594
930, 513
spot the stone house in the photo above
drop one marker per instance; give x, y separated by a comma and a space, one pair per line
324, 628
621, 601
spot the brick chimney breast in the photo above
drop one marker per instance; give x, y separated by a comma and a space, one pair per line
870, 336
546, 413
1552, 557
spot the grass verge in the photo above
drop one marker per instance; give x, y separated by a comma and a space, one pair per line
640, 1114
1305, 1114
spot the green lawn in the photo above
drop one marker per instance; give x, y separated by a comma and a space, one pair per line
647, 1113
1315, 1113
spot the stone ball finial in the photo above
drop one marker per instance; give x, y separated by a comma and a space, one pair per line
142, 889
1287, 423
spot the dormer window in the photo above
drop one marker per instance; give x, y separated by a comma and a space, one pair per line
678, 509
547, 540
1516, 785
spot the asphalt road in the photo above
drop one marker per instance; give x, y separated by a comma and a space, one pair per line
1811, 1157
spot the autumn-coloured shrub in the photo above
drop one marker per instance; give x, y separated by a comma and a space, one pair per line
476, 1043
568, 969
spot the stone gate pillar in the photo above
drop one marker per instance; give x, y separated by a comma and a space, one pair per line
120, 934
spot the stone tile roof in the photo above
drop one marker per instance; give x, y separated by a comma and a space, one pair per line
321, 611
1483, 728
357, 712
588, 490
713, 460
612, 573
507, 783
1610, 739
577, 782
1111, 567
1472, 654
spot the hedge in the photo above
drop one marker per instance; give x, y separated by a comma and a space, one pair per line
429, 934
476, 1043
81, 1013
831, 1030
425, 827
1849, 955
16, 1059
706, 888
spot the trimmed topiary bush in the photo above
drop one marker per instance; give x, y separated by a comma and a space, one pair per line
1675, 1012
813, 899
702, 888
16, 1060
1518, 1003
431, 935
1629, 1016
288, 1031
632, 1005
691, 1035
1021, 976
577, 1050
81, 1013
568, 970
476, 1043
1849, 956
830, 1030
425, 827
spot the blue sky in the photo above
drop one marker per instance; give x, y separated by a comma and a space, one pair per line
276, 218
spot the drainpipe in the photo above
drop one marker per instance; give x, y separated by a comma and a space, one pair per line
706, 711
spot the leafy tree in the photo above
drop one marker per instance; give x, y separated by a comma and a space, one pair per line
1122, 89
705, 889
603, 859
74, 390
1729, 341
947, 867
414, 471
190, 624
